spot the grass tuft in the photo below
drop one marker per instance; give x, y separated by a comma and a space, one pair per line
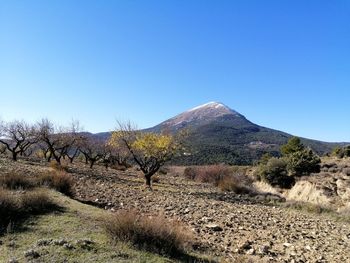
58, 167
58, 180
15, 206
238, 183
154, 234
15, 181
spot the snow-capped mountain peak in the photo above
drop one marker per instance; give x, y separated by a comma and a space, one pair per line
202, 113
211, 104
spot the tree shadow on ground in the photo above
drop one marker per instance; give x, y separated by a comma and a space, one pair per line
16, 222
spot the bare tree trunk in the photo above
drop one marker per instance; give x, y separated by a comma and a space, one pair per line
14, 155
92, 162
57, 158
148, 181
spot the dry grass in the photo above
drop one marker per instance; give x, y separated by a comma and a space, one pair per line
58, 167
226, 178
9, 207
58, 180
264, 187
15, 181
37, 201
15, 206
155, 234
308, 207
238, 183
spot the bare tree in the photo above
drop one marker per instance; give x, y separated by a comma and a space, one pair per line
45, 150
116, 155
57, 140
72, 150
93, 150
17, 137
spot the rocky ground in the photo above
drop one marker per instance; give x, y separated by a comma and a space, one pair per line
225, 225
330, 187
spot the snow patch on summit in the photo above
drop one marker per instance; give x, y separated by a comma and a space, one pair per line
211, 104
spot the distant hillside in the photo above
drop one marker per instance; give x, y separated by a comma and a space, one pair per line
220, 134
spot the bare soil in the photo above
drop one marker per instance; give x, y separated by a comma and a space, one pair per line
226, 225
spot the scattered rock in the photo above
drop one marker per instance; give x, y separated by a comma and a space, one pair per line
44, 242
60, 242
31, 253
245, 245
85, 243
287, 244
251, 251
214, 227
264, 249
68, 246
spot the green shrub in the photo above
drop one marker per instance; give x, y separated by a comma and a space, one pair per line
297, 161
293, 145
265, 158
275, 173
155, 234
341, 152
303, 163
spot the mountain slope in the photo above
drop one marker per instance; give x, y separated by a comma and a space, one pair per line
220, 134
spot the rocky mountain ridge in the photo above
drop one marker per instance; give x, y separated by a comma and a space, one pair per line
219, 134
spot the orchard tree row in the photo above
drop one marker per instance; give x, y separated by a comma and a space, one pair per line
149, 151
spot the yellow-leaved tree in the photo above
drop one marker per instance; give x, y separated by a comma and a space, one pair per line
149, 150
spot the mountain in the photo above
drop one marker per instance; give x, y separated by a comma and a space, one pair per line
219, 134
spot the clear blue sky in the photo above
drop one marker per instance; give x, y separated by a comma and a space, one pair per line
283, 64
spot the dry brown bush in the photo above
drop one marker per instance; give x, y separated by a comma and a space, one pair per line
223, 176
207, 173
58, 180
37, 201
155, 234
236, 182
15, 206
58, 167
190, 173
9, 205
16, 181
